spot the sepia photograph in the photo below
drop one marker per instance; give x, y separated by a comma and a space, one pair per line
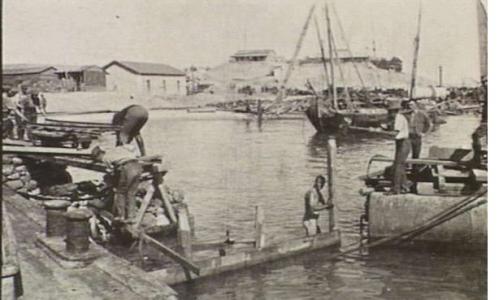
244, 149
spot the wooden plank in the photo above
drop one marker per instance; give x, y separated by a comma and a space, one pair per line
166, 202
184, 238
251, 257
184, 232
143, 207
421, 161
77, 124
480, 175
10, 264
259, 228
6, 149
184, 262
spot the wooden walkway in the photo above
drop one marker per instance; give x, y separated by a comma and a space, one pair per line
108, 277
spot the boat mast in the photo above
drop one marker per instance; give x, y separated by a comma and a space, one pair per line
331, 62
323, 55
482, 41
340, 69
482, 37
282, 92
415, 59
343, 36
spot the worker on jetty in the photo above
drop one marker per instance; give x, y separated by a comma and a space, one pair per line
125, 168
314, 202
131, 119
10, 113
420, 124
402, 147
28, 109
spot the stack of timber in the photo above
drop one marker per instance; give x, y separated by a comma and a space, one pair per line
74, 134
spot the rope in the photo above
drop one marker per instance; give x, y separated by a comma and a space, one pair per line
442, 217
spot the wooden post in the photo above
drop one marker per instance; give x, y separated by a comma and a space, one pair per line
143, 207
331, 161
158, 183
184, 238
184, 232
260, 112
259, 227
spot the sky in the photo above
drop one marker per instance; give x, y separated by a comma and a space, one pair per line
182, 33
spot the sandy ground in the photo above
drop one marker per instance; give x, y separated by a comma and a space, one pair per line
80, 102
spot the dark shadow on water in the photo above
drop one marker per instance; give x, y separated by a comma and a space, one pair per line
257, 277
317, 144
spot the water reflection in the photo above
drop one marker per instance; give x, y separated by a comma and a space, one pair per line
228, 165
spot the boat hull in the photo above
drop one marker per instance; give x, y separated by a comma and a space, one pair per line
339, 122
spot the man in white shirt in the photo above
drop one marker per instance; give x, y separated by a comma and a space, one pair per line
124, 165
402, 148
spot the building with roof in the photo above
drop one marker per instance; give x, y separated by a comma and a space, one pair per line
145, 78
42, 76
82, 78
254, 55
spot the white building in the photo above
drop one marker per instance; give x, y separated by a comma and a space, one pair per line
144, 78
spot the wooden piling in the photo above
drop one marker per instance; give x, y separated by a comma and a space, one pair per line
184, 232
143, 207
260, 112
259, 227
331, 162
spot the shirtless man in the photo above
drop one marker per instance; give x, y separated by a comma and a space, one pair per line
131, 119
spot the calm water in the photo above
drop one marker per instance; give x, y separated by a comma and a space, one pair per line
227, 165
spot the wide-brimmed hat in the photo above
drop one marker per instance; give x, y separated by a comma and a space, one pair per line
395, 104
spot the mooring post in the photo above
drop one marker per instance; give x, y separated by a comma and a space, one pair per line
184, 232
259, 227
260, 112
331, 162
56, 217
78, 230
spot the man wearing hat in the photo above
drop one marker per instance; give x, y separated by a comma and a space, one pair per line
419, 125
126, 169
402, 147
131, 119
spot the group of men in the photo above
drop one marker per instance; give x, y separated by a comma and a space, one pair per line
20, 107
411, 124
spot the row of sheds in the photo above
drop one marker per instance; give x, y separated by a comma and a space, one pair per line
123, 76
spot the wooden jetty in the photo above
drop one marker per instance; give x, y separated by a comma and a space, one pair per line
108, 277
188, 263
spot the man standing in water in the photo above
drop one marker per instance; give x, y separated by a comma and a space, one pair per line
313, 201
131, 119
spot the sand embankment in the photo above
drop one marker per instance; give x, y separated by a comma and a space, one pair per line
86, 102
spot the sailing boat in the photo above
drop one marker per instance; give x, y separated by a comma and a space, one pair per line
327, 116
